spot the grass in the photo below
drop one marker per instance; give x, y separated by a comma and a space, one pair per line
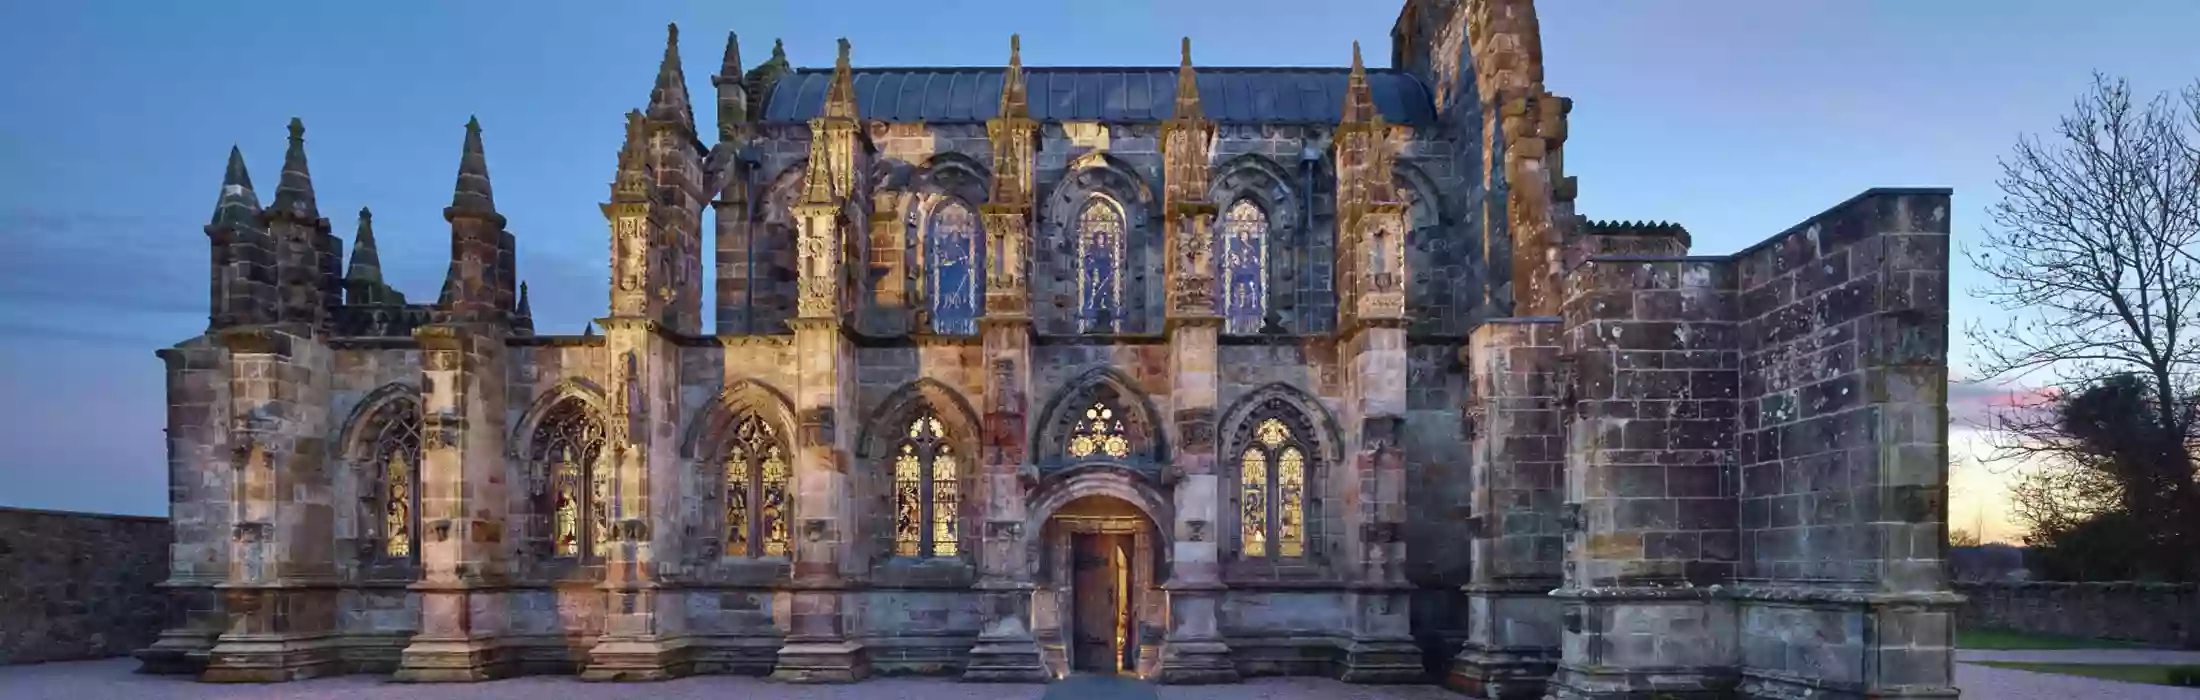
2156, 675
1997, 639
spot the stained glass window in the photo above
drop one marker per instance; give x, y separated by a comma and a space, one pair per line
1099, 266
397, 457
756, 491
1272, 492
574, 491
1244, 267
952, 245
926, 492
1099, 433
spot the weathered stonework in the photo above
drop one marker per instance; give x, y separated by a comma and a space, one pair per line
1406, 418
80, 586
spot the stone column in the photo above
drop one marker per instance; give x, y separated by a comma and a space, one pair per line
1382, 648
644, 621
1193, 650
818, 647
200, 507
1005, 651
1651, 521
464, 507
280, 591
1518, 462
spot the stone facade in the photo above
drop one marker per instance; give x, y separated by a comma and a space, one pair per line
2158, 614
1020, 372
79, 585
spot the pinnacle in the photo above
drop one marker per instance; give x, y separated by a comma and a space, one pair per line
840, 97
525, 309
366, 259
732, 66
1014, 102
1359, 102
472, 192
779, 50
668, 99
1187, 87
294, 193
237, 203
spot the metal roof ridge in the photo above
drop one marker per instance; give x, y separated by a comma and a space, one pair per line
1102, 69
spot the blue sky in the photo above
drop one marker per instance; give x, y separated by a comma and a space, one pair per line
1735, 118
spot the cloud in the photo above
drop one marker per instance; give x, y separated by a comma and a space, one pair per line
1972, 403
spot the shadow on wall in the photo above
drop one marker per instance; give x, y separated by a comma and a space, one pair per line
79, 585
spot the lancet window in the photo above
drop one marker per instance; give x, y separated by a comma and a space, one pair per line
926, 493
1272, 492
575, 490
396, 463
1099, 266
1244, 267
953, 251
758, 468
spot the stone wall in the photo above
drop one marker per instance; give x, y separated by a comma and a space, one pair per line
2151, 613
79, 585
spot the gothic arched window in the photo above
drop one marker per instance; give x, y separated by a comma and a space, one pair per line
952, 249
1272, 492
1099, 266
1244, 267
757, 471
925, 493
396, 464
572, 487
1099, 433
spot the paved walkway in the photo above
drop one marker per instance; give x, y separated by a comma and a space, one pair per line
112, 679
2142, 657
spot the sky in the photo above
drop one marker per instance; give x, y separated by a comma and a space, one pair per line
1735, 118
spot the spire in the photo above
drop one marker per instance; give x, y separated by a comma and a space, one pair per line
526, 310
471, 194
840, 97
759, 80
294, 193
632, 180
523, 321
1014, 103
668, 101
1359, 103
366, 259
732, 67
238, 204
1187, 87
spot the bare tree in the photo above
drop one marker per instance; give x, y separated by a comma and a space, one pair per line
2094, 258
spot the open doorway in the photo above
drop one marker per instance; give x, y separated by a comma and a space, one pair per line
1101, 616
1100, 583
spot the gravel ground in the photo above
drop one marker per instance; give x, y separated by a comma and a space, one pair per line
112, 679
2143, 657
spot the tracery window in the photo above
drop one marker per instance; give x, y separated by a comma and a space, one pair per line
1244, 267
1099, 266
396, 462
1272, 495
925, 491
757, 470
952, 246
1099, 433
574, 490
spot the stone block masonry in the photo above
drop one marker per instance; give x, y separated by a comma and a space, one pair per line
79, 585
2158, 614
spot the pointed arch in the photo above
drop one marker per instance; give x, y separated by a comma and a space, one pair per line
1081, 422
560, 445
1062, 271
714, 422
1278, 448
922, 442
1443, 283
381, 441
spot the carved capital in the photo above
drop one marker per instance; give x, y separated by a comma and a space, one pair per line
818, 428
1195, 429
1379, 433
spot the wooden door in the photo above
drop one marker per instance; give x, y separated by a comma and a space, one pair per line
1096, 564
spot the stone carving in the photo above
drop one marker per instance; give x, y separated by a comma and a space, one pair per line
1196, 428
816, 529
251, 531
1197, 530
817, 428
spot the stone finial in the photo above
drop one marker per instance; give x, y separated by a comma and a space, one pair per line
758, 81
1359, 101
526, 308
294, 192
1187, 87
668, 99
840, 97
471, 194
523, 319
237, 204
1014, 102
366, 258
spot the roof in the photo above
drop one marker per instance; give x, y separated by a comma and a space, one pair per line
1229, 95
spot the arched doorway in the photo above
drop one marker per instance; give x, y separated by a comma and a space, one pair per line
1100, 588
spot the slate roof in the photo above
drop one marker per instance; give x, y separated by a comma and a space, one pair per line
1229, 95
